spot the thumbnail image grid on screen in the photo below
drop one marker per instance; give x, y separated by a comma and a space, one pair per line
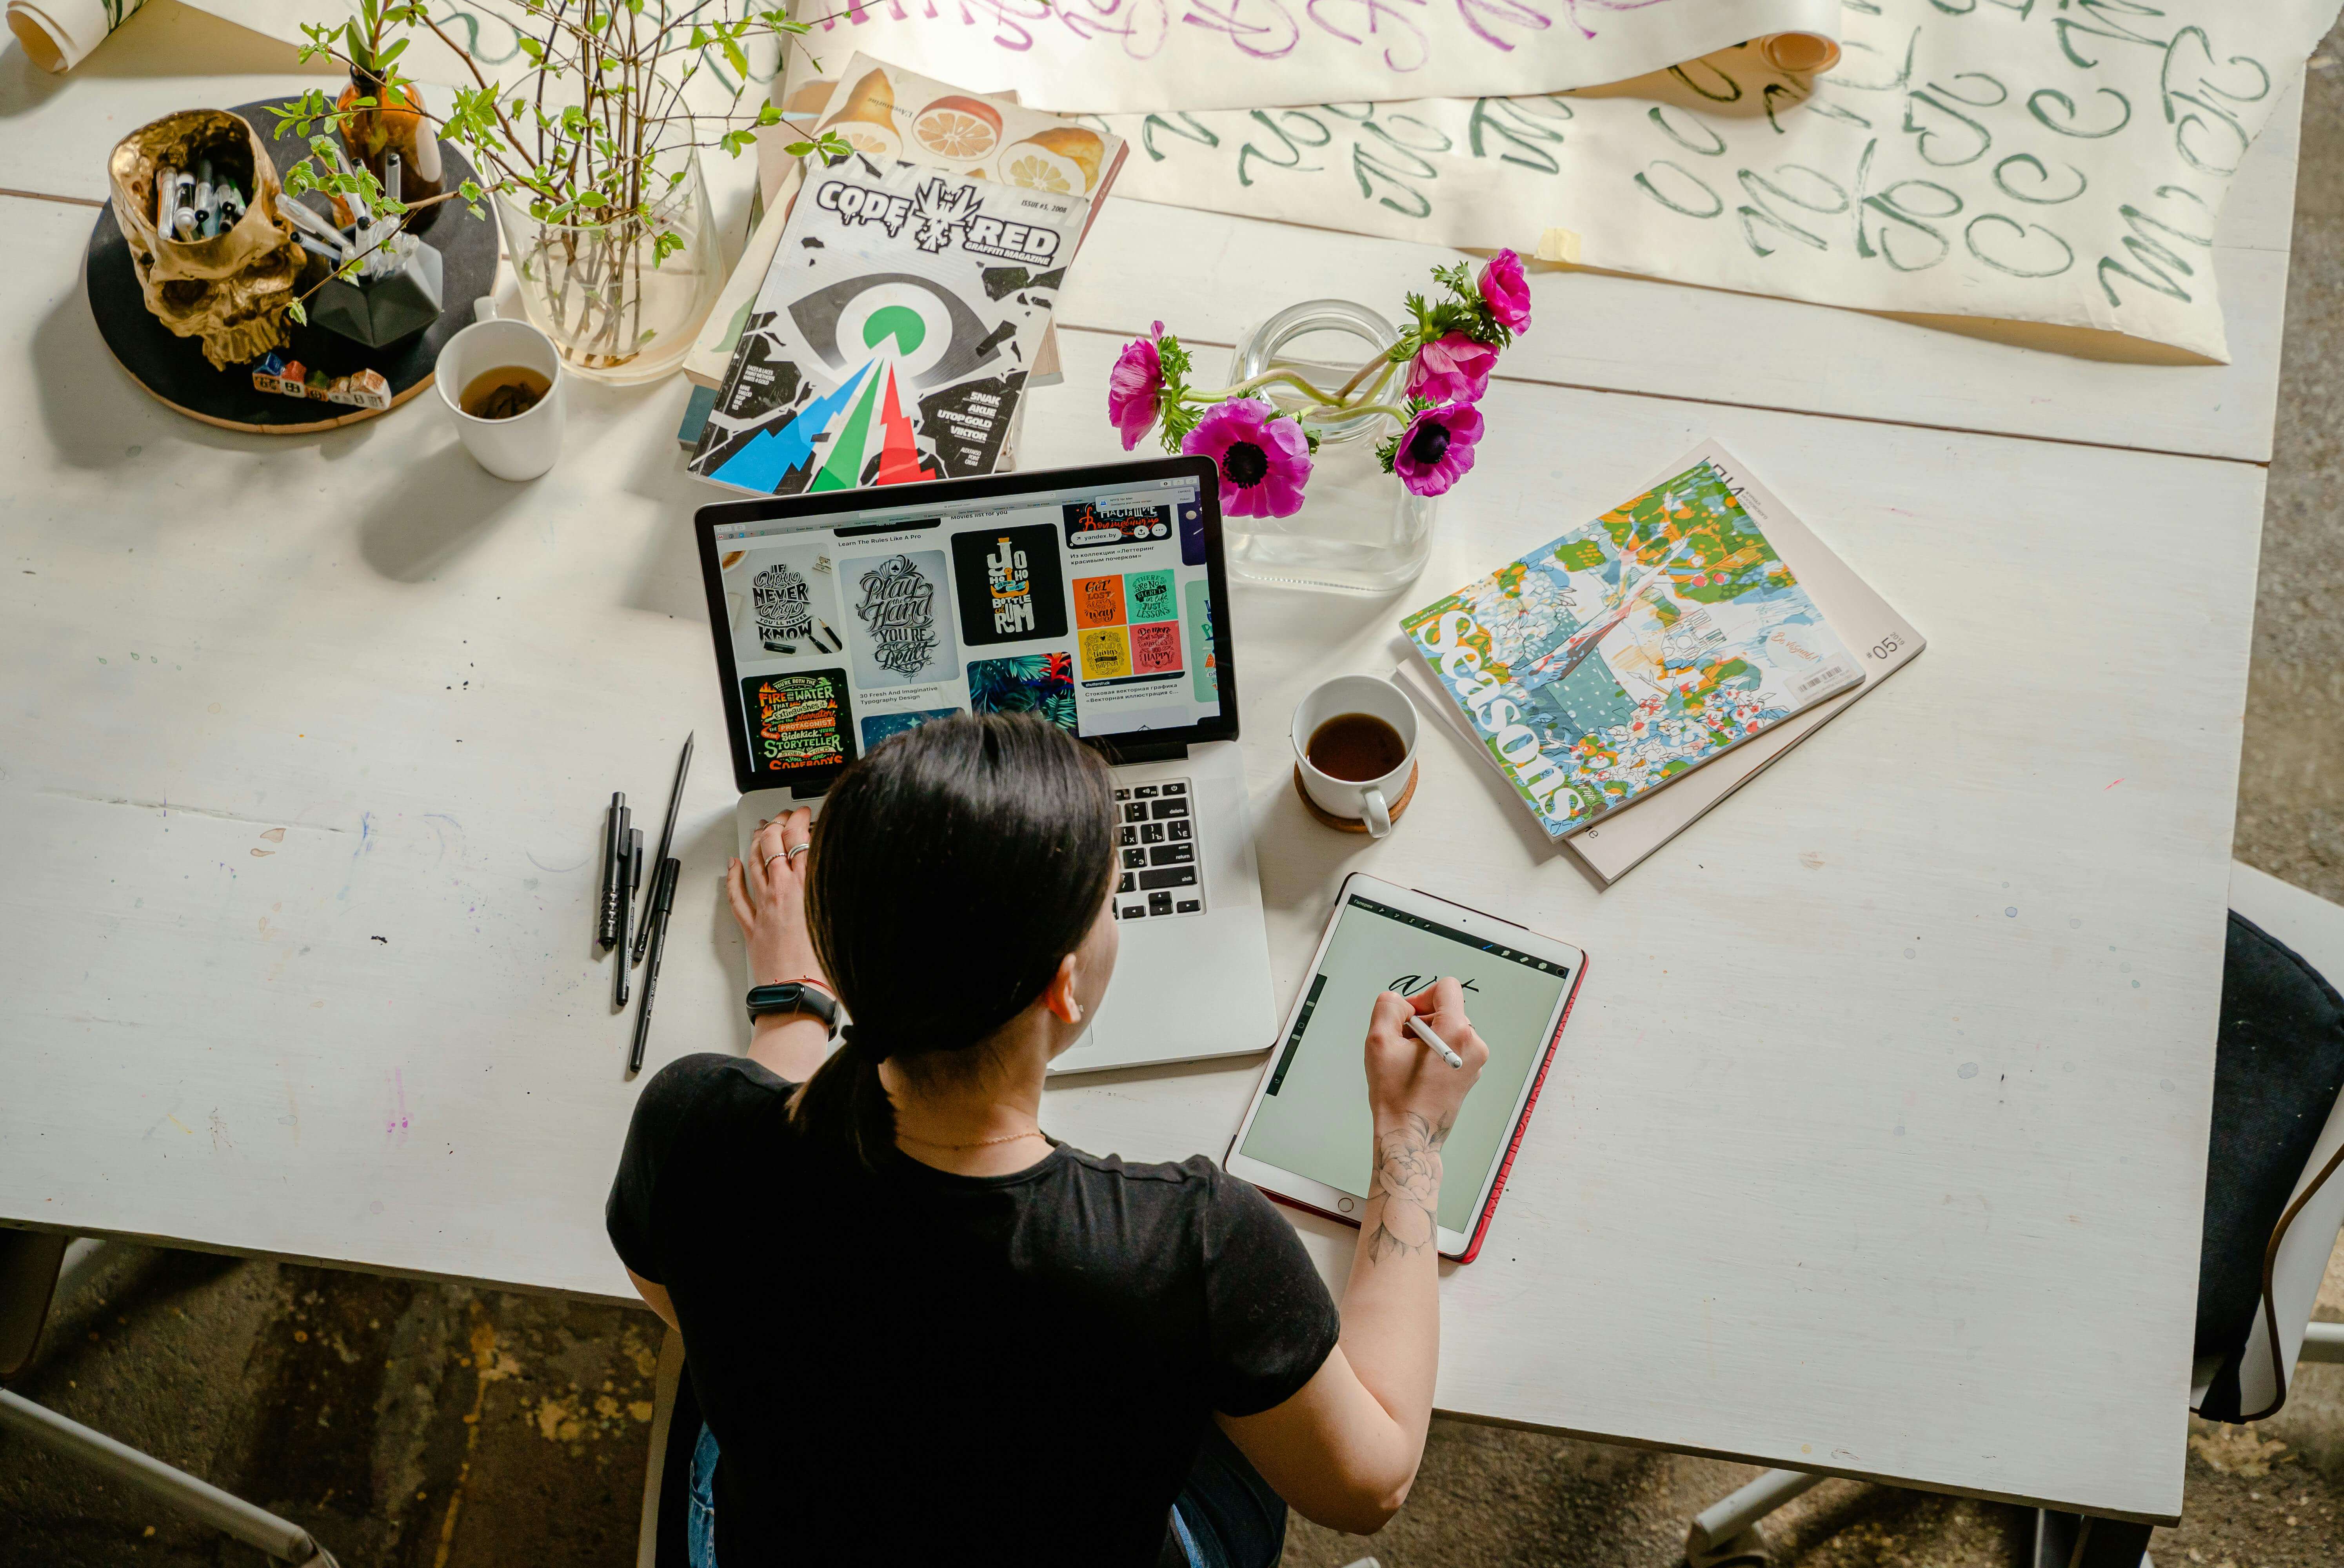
1091, 610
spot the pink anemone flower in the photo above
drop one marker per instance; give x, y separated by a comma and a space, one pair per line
1134, 388
1506, 291
1264, 462
1451, 369
1436, 450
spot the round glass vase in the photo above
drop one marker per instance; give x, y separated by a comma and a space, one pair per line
619, 311
1359, 530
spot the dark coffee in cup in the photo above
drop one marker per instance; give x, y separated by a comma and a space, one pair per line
504, 393
1355, 747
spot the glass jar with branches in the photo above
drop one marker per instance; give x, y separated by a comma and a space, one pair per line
591, 157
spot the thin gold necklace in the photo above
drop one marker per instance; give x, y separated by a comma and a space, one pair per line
980, 1143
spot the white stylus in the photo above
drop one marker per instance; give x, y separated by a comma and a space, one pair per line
1425, 1034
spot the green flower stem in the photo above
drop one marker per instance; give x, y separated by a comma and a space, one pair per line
1381, 361
1254, 383
1320, 410
1381, 367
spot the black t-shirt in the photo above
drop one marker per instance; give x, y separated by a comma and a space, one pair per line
915, 1367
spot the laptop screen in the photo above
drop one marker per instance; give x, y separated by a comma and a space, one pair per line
1083, 596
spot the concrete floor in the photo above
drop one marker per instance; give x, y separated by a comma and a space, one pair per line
425, 1426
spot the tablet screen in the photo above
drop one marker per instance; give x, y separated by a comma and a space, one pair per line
1314, 1121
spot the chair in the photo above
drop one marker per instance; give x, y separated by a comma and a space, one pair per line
2265, 1245
669, 1468
38, 1270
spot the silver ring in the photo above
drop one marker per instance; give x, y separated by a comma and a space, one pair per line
795, 851
769, 860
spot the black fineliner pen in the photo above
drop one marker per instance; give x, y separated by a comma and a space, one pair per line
619, 877
614, 846
633, 862
667, 842
662, 904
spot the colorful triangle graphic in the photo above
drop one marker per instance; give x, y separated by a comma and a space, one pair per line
844, 470
899, 456
770, 459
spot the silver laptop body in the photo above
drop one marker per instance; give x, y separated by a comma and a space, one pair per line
1089, 596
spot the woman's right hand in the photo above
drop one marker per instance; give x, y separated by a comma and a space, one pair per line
768, 896
1408, 1078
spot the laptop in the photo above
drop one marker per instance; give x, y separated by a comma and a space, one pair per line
1091, 596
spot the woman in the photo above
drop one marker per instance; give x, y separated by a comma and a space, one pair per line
920, 1331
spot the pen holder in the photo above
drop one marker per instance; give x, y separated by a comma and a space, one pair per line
387, 310
228, 291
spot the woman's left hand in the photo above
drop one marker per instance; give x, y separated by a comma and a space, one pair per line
768, 901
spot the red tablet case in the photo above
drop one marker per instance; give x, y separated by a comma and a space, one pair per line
1514, 1145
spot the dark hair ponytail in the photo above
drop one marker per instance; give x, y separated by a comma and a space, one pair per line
953, 869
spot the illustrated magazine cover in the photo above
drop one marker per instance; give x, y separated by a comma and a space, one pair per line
1633, 648
892, 335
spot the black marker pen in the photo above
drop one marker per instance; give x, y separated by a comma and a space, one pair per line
667, 839
631, 865
614, 845
663, 905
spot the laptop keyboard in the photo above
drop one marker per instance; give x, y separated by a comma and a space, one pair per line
1155, 853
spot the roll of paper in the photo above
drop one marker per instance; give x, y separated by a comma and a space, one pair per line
59, 35
1191, 55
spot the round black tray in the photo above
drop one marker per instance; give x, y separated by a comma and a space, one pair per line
175, 370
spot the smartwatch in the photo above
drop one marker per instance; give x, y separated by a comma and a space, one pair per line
794, 996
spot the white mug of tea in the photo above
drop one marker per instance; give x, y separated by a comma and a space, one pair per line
502, 383
1355, 748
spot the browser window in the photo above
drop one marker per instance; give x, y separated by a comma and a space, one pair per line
1089, 606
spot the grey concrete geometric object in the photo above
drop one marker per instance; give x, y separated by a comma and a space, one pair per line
386, 310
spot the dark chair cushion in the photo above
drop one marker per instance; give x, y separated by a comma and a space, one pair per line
2279, 1063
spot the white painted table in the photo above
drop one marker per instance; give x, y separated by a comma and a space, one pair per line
1877, 1143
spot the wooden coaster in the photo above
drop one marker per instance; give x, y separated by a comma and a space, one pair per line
1352, 824
174, 368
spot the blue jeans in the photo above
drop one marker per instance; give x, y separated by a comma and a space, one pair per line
700, 1515
1227, 1516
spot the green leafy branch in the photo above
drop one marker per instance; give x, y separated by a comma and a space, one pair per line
607, 159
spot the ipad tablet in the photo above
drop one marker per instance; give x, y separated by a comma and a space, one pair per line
1307, 1138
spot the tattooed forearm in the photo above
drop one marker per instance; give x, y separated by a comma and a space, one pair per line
1405, 1190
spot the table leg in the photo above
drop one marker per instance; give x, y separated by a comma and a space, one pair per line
1727, 1531
2080, 1541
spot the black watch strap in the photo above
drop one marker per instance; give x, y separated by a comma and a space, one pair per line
795, 996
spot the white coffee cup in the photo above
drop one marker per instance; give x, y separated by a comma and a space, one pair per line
526, 445
1365, 800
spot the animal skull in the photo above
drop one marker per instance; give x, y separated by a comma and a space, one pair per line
229, 291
